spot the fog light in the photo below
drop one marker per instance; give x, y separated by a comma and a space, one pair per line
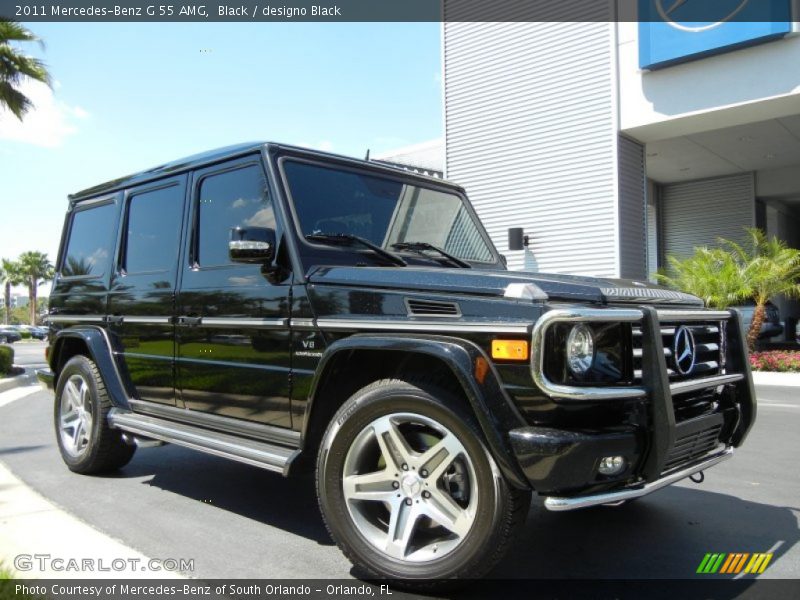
612, 465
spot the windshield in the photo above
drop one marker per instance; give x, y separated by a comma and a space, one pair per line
382, 211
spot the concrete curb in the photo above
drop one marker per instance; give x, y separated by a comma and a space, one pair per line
26, 378
31, 525
776, 379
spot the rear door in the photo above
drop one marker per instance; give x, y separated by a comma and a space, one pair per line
233, 355
141, 304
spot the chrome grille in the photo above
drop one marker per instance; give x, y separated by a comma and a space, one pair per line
708, 347
709, 361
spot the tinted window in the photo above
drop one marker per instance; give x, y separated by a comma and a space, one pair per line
231, 199
90, 241
154, 228
328, 201
382, 210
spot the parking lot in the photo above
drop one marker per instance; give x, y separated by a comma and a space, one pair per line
237, 521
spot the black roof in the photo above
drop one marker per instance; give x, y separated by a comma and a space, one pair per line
227, 152
170, 168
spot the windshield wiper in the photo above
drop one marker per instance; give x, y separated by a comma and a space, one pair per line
348, 239
420, 247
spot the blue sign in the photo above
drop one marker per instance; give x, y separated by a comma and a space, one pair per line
675, 31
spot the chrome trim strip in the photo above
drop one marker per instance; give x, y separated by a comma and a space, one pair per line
693, 315
435, 326
141, 320
302, 323
237, 322
683, 387
75, 318
570, 392
557, 504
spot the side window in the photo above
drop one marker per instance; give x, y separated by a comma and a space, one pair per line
91, 241
153, 230
231, 199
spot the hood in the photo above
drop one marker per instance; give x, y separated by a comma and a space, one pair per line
554, 287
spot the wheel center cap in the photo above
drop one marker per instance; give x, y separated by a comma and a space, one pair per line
411, 485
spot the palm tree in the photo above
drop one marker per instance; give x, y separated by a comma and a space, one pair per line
35, 269
770, 268
15, 66
9, 275
711, 274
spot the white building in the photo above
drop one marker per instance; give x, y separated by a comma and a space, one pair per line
617, 144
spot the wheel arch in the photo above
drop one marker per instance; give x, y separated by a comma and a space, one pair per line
457, 363
93, 343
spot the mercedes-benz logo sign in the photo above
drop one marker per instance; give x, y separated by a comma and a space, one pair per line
683, 350
666, 8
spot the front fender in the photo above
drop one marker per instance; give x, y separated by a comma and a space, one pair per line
100, 351
494, 410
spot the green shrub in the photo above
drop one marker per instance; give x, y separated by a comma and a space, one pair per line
26, 335
6, 359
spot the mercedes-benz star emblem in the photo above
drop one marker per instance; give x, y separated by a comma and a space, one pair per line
667, 8
683, 350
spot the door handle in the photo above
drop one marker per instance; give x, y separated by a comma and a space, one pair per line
186, 321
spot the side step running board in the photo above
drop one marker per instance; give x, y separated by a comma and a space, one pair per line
252, 452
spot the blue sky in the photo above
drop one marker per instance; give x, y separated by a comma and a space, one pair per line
130, 96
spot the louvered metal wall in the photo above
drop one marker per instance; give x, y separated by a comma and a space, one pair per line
696, 213
632, 210
531, 133
652, 229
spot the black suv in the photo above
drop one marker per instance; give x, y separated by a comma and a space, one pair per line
310, 313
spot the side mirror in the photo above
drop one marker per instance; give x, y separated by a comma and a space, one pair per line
252, 245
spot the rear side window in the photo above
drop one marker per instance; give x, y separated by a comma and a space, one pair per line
91, 240
231, 199
154, 229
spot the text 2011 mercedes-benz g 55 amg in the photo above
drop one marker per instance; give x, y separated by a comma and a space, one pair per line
299, 311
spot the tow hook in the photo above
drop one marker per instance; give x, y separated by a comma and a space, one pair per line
698, 477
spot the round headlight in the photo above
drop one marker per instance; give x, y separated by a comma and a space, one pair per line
580, 349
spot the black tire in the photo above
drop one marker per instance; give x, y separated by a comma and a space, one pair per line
500, 509
103, 449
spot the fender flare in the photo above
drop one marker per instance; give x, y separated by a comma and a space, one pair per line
101, 352
494, 410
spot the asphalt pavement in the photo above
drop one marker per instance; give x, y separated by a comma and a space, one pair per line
237, 521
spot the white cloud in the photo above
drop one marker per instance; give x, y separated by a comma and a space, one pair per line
47, 124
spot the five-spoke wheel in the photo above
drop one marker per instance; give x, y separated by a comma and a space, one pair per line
409, 490
85, 439
410, 487
75, 419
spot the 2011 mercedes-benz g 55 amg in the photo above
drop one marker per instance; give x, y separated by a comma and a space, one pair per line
304, 312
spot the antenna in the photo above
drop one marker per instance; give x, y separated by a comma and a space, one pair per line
367, 156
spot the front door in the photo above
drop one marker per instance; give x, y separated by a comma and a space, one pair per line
232, 328
141, 302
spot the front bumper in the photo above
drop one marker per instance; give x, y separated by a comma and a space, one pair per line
558, 504
563, 464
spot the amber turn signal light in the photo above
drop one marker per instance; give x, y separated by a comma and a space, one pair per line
510, 349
